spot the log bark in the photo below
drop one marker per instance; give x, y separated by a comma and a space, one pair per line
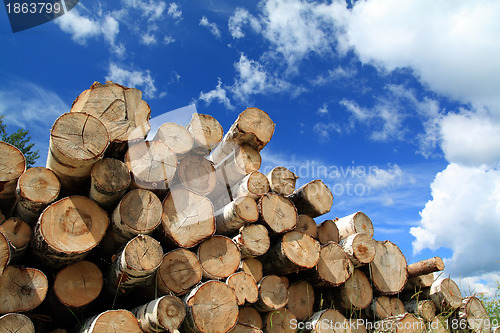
176, 137
4, 252
307, 225
400, 324
423, 308
328, 232
109, 179
253, 185
301, 300
356, 293
197, 174
12, 166
327, 321
313, 199
439, 324
111, 321
252, 240
273, 294
249, 316
135, 264
36, 189
473, 315
279, 321
21, 289
239, 162
18, 233
282, 180
253, 267
206, 132
211, 307
383, 307
179, 271
244, 287
121, 109
16, 322
293, 252
152, 165
236, 214
68, 230
78, 285
77, 142
359, 248
277, 212
353, 224
219, 257
164, 314
417, 283
388, 268
333, 267
187, 218
425, 267
446, 295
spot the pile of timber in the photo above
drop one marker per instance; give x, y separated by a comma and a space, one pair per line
182, 233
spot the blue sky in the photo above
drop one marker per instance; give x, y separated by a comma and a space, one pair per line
394, 104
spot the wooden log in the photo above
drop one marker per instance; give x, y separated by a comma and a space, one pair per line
242, 328
18, 233
328, 232
179, 271
273, 294
253, 267
279, 321
333, 267
328, 320
353, 224
244, 287
253, 185
388, 268
187, 218
446, 295
307, 225
197, 174
423, 308
121, 109
282, 180
252, 240
473, 316
68, 230
164, 314
36, 189
16, 322
285, 281
313, 199
383, 307
359, 248
109, 179
277, 212
253, 127
211, 307
177, 137
152, 165
77, 141
21, 289
249, 316
135, 264
78, 285
219, 257
111, 321
356, 293
439, 324
236, 214
425, 267
417, 283
206, 131
237, 164
301, 300
293, 252
400, 324
357, 325
4, 252
12, 166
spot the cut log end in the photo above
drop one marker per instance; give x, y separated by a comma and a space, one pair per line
334, 267
446, 294
16, 322
110, 178
328, 232
388, 268
279, 321
244, 287
273, 294
307, 225
12, 166
112, 320
277, 212
253, 240
313, 199
176, 137
249, 316
301, 299
197, 173
165, 313
179, 271
354, 223
406, 323
206, 132
282, 180
219, 257
360, 248
252, 267
356, 293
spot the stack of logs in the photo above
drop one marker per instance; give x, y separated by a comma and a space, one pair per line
182, 233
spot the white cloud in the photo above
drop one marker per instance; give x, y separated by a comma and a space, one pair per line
212, 27
133, 78
324, 130
338, 73
241, 17
218, 94
168, 40
152, 10
392, 177
323, 110
463, 215
148, 39
174, 11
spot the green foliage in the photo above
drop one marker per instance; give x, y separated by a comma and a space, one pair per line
492, 304
21, 140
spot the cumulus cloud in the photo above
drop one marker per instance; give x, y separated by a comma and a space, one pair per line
218, 94
212, 27
174, 11
240, 18
382, 178
133, 78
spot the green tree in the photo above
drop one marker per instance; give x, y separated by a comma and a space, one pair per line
21, 140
